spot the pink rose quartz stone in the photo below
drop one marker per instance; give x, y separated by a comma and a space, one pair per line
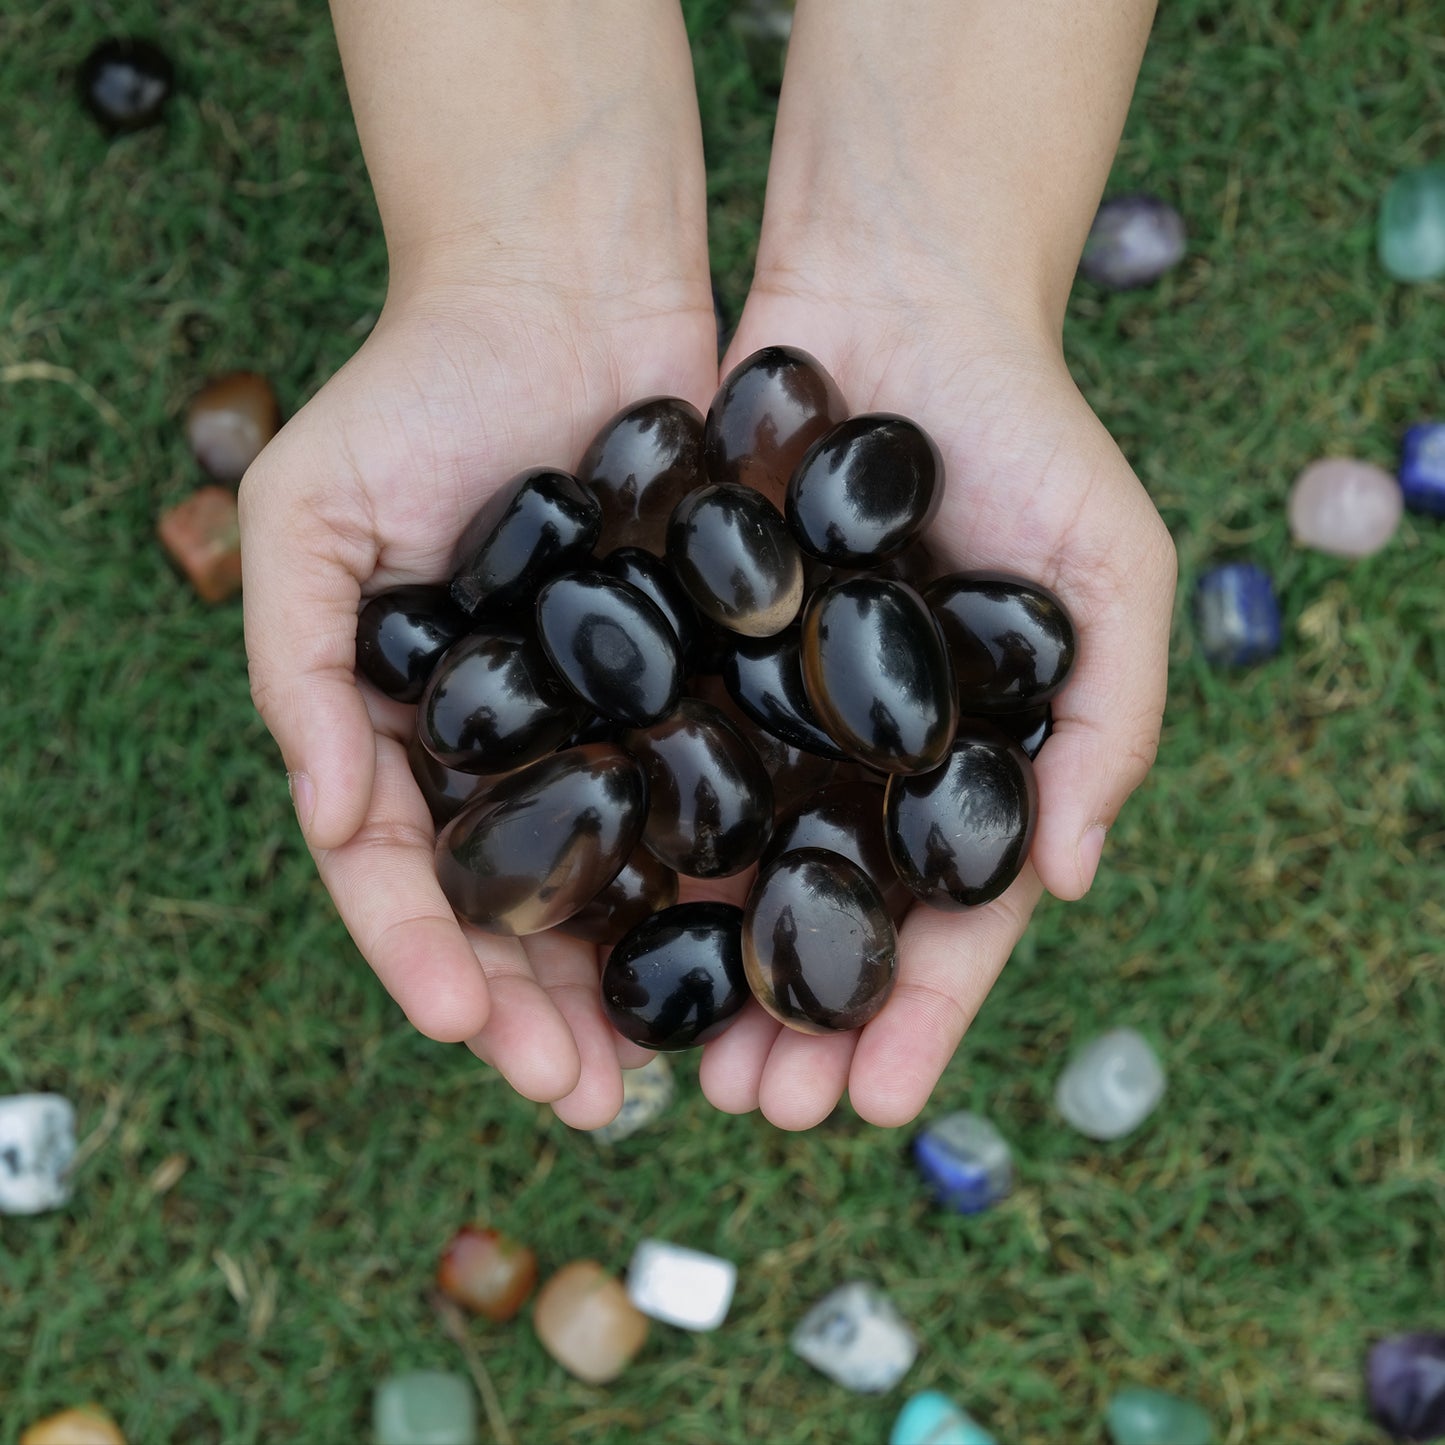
1345, 507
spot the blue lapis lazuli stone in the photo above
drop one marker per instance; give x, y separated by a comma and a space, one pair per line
1238, 615
965, 1162
1422, 468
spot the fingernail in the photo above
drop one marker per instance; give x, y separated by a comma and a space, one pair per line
1091, 848
303, 797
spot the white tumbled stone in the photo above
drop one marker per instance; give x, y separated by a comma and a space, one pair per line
37, 1143
680, 1286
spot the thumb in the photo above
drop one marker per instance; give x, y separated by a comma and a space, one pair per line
301, 564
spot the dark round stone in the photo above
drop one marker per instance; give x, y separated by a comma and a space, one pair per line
710, 804
676, 979
877, 673
611, 645
865, 491
540, 524
540, 844
494, 704
125, 83
764, 677
1011, 642
1030, 730
736, 559
445, 790
401, 634
656, 580
818, 945
959, 835
643, 887
640, 466
769, 410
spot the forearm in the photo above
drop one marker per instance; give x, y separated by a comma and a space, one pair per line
535, 140
968, 138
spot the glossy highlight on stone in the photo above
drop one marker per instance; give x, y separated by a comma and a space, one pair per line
676, 980
1011, 642
865, 491
959, 835
845, 818
658, 583
1133, 241
819, 947
764, 677
769, 410
401, 635
1030, 730
710, 804
640, 466
1405, 1380
541, 843
611, 645
876, 670
645, 886
494, 703
736, 559
125, 83
541, 523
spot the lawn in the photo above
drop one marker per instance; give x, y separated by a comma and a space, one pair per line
272, 1158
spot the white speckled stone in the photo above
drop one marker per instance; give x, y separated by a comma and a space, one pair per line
682, 1287
855, 1336
1345, 507
646, 1094
1111, 1085
37, 1143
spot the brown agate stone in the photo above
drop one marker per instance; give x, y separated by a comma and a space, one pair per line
644, 887
487, 1273
446, 790
818, 945
586, 1322
229, 421
764, 676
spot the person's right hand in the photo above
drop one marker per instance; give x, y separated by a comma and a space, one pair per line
459, 387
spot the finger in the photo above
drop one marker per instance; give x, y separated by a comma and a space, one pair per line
948, 963
630, 1055
732, 1065
300, 587
383, 880
804, 1077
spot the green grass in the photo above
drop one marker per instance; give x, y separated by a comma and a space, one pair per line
273, 1158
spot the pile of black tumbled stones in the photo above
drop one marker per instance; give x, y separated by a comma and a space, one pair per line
723, 643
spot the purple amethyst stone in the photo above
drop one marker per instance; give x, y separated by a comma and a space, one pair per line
1405, 1377
1134, 240
1237, 615
1422, 468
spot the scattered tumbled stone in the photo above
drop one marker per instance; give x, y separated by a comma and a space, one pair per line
682, 1287
1237, 615
1405, 1377
1422, 468
1345, 507
1150, 1417
487, 1273
646, 1094
1134, 240
586, 1322
37, 1143
931, 1418
84, 1425
203, 536
1411, 236
855, 1336
965, 1161
1111, 1086
229, 421
424, 1407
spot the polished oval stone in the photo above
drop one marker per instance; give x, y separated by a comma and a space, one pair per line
764, 676
539, 524
656, 580
640, 466
446, 790
229, 421
959, 835
540, 844
818, 945
587, 1324
676, 979
1133, 241
494, 703
877, 673
770, 409
1345, 507
1011, 642
1411, 235
736, 559
710, 803
125, 83
611, 645
645, 886
1137, 1416
847, 819
866, 490
401, 635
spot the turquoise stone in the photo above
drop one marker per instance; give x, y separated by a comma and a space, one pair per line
1412, 225
931, 1418
424, 1407
1150, 1417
